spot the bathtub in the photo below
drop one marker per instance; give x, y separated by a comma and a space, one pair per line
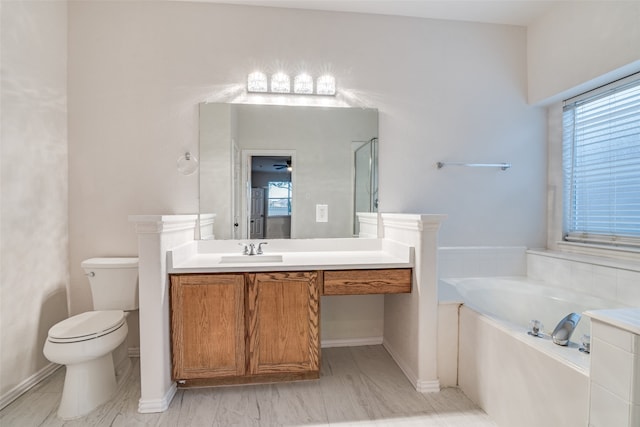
516, 378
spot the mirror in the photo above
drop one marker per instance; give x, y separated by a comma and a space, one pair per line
333, 158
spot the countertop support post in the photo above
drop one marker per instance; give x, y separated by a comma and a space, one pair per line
411, 320
156, 235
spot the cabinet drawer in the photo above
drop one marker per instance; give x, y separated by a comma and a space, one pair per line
364, 282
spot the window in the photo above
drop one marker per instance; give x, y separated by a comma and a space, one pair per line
601, 163
279, 198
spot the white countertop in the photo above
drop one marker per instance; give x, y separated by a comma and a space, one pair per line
297, 255
627, 319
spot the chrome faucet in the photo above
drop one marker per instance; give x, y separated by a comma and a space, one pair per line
565, 328
250, 248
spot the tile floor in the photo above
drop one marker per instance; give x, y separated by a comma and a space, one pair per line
359, 386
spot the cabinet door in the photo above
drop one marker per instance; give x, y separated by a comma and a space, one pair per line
283, 330
207, 325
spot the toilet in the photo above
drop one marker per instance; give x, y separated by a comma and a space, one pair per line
85, 342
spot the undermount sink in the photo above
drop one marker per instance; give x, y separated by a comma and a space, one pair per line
250, 258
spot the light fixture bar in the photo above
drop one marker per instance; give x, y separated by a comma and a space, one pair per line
303, 84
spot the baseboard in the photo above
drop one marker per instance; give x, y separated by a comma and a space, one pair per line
422, 386
27, 384
148, 406
351, 342
133, 351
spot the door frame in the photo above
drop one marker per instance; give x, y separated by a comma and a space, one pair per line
247, 155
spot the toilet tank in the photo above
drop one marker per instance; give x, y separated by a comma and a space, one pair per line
114, 282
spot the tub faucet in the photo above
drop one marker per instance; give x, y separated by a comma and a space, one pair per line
565, 328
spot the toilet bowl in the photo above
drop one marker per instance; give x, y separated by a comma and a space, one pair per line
85, 342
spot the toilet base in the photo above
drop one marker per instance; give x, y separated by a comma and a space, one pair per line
86, 386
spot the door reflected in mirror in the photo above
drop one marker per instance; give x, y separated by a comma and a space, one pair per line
271, 197
332, 152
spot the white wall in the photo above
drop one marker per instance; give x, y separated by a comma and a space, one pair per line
34, 253
577, 42
445, 90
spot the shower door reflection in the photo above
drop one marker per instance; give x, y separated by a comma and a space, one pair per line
365, 180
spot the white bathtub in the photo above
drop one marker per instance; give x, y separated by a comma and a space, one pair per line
516, 378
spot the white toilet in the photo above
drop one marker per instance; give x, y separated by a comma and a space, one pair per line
85, 342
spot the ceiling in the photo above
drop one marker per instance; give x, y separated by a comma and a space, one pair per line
510, 12
269, 163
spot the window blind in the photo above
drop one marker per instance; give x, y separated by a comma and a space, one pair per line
601, 165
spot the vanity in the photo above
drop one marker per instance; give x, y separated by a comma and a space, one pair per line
239, 319
400, 264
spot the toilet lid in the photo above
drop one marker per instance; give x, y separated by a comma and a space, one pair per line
85, 326
114, 262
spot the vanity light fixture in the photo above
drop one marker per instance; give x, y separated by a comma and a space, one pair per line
303, 84
326, 85
257, 82
280, 83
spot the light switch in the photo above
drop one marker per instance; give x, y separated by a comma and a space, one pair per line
322, 213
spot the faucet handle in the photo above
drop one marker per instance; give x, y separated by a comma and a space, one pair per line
245, 250
259, 252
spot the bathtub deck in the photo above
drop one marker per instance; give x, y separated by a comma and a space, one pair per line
359, 386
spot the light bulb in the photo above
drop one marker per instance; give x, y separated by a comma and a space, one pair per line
280, 83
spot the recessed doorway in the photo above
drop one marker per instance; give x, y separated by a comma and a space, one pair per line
270, 195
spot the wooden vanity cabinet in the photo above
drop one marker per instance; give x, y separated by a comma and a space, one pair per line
207, 325
245, 327
283, 323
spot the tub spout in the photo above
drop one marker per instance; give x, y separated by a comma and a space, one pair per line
565, 328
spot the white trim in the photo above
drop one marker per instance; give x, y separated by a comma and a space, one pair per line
368, 225
593, 256
415, 222
204, 228
425, 386
149, 406
602, 89
611, 252
155, 224
351, 342
422, 386
27, 384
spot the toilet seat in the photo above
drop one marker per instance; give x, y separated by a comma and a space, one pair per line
87, 326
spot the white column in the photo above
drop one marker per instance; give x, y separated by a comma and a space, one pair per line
156, 235
614, 379
411, 320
